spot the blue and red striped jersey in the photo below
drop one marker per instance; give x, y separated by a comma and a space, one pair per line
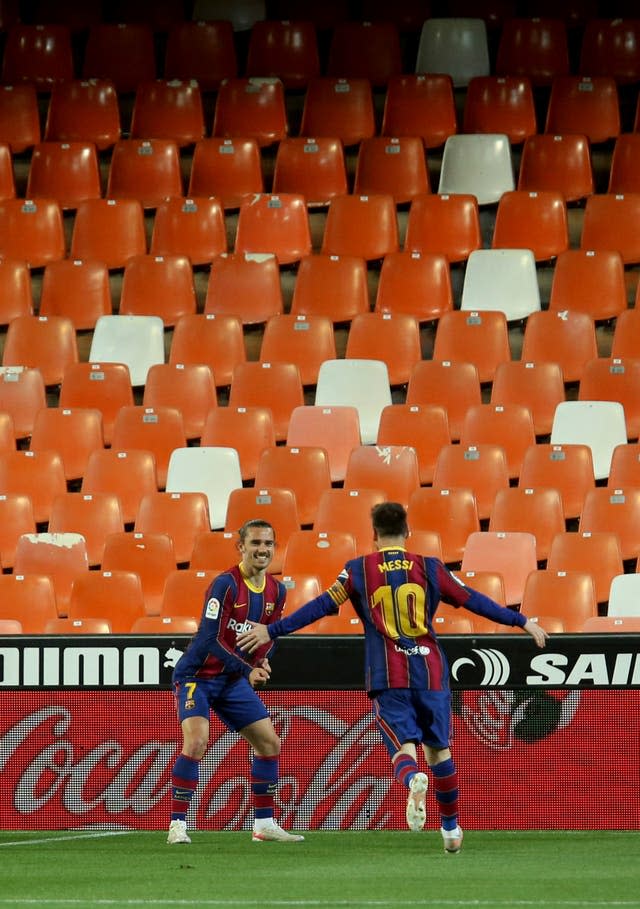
230, 601
396, 594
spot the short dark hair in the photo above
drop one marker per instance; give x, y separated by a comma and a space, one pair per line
253, 523
389, 520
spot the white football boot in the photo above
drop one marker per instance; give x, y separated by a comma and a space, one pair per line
178, 833
416, 802
273, 833
452, 839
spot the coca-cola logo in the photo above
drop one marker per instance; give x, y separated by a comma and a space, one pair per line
51, 770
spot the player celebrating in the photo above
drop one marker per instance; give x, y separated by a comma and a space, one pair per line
396, 593
213, 675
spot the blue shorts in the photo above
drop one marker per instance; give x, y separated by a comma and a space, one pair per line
411, 715
233, 701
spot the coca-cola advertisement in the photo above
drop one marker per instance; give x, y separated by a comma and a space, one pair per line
526, 759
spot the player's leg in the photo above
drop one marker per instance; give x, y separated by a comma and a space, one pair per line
436, 718
244, 712
193, 711
395, 720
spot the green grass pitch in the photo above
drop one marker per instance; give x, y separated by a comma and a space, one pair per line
546, 869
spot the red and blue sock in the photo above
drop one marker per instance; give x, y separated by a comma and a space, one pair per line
264, 782
404, 768
445, 785
184, 781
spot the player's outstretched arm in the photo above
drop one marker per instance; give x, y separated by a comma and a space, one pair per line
538, 633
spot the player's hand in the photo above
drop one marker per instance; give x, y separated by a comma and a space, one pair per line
266, 665
249, 641
536, 631
258, 677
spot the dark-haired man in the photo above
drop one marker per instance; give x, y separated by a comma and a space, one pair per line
396, 592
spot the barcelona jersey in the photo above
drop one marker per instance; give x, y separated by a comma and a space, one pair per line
231, 601
396, 594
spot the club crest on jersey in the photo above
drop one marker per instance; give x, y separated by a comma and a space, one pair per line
268, 608
212, 609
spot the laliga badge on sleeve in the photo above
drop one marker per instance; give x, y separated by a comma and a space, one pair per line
213, 608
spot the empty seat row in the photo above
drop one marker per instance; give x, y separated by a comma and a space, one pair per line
142, 579
126, 52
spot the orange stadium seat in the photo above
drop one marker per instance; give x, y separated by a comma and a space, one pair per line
537, 386
500, 104
285, 49
41, 54
481, 468
474, 337
314, 167
365, 50
76, 289
156, 429
147, 170
22, 394
73, 432
65, 171
558, 163
216, 340
365, 226
149, 555
415, 283
277, 386
567, 468
168, 109
127, 474
591, 281
391, 468
336, 429
304, 340
192, 227
339, 508
47, 343
338, 107
533, 47
180, 514
61, 556
392, 165
420, 104
84, 110
529, 510
103, 386
29, 599
454, 385
565, 595
32, 230
19, 116
251, 107
424, 427
114, 596
121, 52
452, 513
94, 515
584, 104
189, 387
16, 294
597, 554
228, 168
246, 285
247, 429
334, 286
16, 518
444, 223
109, 230
154, 285
201, 50
304, 470
278, 224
